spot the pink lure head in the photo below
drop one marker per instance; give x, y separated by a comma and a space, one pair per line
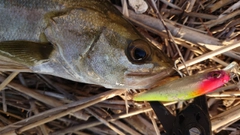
214, 80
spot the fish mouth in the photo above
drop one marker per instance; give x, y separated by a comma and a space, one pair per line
141, 74
145, 80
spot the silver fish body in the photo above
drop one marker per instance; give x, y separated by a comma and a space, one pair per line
84, 41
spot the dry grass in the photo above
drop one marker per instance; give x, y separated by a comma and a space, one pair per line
205, 33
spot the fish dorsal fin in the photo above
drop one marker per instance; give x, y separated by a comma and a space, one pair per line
26, 52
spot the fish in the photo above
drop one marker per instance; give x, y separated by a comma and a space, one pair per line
87, 41
186, 88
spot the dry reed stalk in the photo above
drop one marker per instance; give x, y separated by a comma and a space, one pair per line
202, 31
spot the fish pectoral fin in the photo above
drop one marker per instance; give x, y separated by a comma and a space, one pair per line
26, 52
7, 64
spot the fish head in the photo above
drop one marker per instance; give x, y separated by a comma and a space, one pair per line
124, 59
102, 47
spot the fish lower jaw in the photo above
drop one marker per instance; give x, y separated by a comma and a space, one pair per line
140, 74
144, 80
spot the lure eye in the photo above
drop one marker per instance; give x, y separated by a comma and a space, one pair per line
138, 51
215, 74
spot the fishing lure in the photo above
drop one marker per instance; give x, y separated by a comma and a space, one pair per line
186, 88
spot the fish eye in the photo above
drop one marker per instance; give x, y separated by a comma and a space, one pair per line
138, 51
139, 54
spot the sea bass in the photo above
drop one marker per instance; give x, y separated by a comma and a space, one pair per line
81, 40
186, 88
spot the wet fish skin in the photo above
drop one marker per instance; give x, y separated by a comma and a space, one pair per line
186, 88
92, 42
